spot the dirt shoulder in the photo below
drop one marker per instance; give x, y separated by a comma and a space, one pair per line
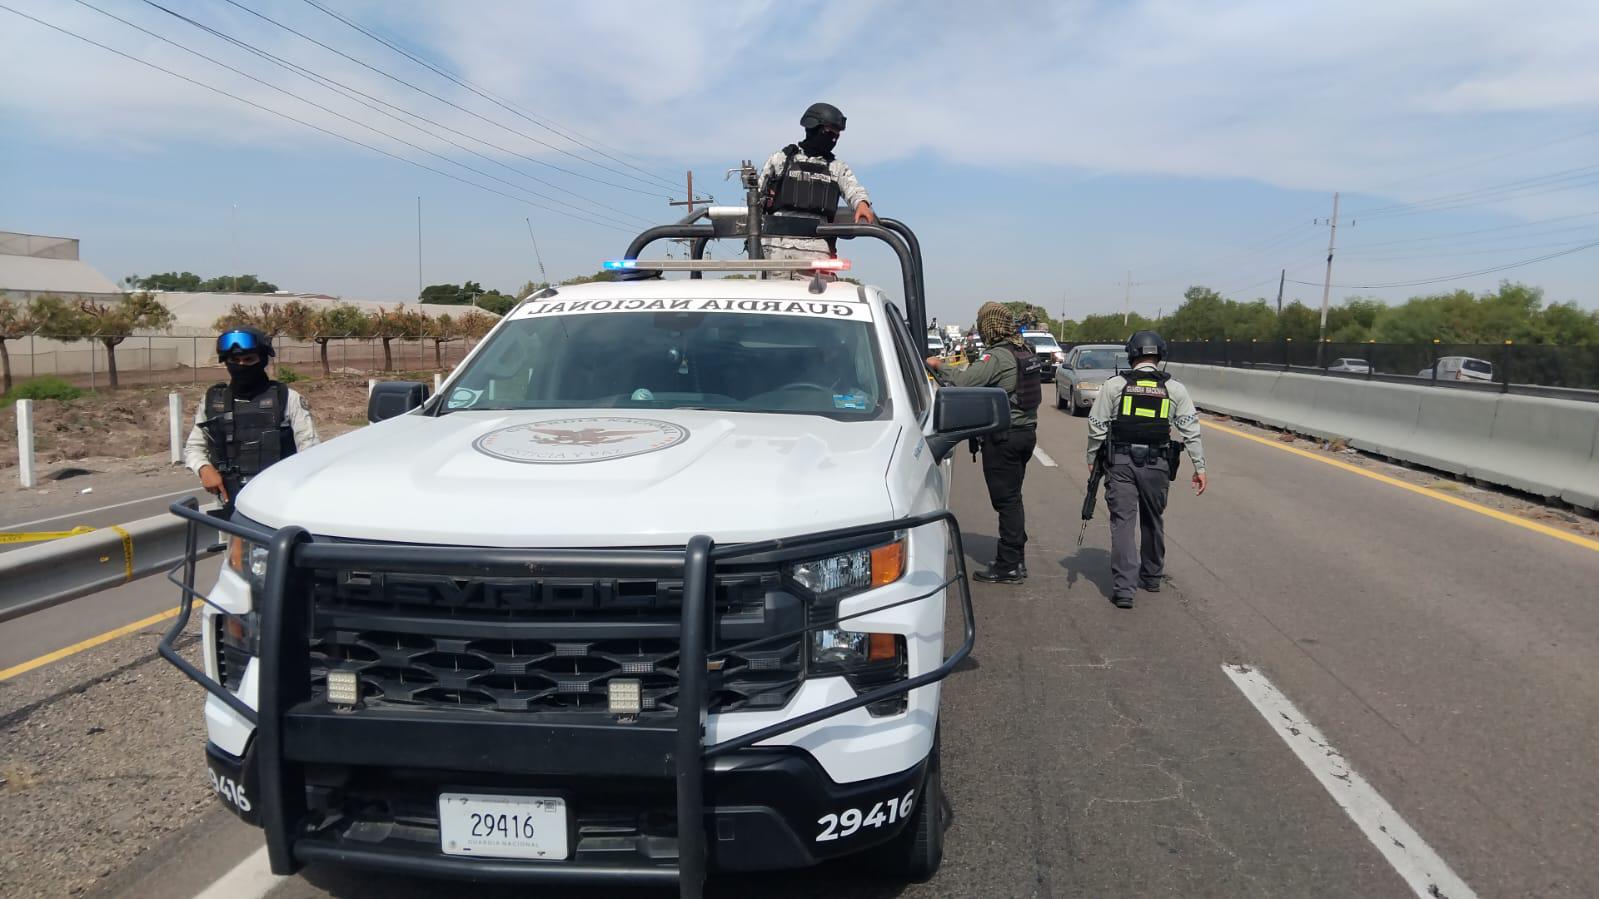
115, 443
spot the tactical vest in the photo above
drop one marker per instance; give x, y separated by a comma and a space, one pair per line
245, 436
1029, 378
1143, 411
808, 187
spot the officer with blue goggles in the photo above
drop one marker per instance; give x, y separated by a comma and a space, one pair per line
247, 422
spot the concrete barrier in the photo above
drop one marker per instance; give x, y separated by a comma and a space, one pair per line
1547, 447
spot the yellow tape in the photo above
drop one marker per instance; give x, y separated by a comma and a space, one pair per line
8, 673
127, 552
38, 536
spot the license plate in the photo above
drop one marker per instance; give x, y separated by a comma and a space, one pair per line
503, 826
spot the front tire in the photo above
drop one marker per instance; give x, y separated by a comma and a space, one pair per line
1060, 403
916, 853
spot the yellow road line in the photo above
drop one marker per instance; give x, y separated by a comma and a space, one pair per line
8, 673
1506, 517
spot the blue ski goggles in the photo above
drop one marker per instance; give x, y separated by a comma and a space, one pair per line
237, 342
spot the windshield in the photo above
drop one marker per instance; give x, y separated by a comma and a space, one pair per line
1101, 359
810, 363
1042, 342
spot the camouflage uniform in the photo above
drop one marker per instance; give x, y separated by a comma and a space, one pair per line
849, 188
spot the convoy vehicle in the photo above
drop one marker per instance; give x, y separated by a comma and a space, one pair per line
656, 583
1460, 368
936, 345
1086, 369
1049, 352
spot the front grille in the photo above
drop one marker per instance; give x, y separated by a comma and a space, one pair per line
525, 645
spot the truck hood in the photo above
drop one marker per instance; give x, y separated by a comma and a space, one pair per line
562, 478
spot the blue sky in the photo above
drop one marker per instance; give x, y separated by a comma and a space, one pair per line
1041, 151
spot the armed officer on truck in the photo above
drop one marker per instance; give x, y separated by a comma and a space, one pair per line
1010, 364
806, 180
1136, 411
248, 422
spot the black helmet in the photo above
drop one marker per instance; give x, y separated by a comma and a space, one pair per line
242, 340
1146, 343
819, 114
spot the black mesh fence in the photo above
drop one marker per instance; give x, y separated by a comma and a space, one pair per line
1509, 367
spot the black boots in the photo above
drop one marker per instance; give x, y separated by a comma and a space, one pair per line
996, 574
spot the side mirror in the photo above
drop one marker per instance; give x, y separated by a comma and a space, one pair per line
391, 398
960, 413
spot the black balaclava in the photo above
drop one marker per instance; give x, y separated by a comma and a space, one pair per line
818, 142
247, 380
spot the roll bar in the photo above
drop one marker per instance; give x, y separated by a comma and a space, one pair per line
896, 234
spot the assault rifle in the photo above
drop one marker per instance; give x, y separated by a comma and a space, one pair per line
1092, 497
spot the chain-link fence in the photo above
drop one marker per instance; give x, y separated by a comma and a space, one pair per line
164, 359
1507, 367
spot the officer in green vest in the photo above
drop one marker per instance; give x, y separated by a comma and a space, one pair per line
1010, 364
1129, 432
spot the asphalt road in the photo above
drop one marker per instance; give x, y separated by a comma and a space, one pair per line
1090, 751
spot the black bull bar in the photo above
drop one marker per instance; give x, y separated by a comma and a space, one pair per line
680, 750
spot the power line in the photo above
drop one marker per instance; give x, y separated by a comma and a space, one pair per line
346, 91
1455, 277
330, 111
424, 91
1484, 161
512, 108
283, 115
1479, 195
1485, 251
1563, 218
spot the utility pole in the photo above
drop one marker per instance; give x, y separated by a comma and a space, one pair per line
419, 248
235, 229
1326, 284
1281, 280
1127, 299
690, 202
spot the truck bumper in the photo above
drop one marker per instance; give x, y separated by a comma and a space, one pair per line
764, 810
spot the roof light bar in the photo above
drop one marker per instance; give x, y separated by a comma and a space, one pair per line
728, 265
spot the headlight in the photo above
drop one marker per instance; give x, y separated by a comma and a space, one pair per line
867, 661
249, 560
848, 573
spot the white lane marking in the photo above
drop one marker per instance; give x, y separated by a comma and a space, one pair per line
249, 879
1043, 458
1420, 867
81, 512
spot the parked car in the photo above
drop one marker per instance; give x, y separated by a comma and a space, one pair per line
935, 346
1043, 343
1087, 367
1461, 368
1351, 365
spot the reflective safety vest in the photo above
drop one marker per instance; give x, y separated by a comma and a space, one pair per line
1143, 411
805, 186
246, 436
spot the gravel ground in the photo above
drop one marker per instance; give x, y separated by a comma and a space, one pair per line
100, 759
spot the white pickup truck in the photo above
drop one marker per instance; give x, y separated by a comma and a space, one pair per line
659, 551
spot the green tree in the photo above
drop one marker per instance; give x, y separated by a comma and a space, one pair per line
325, 324
17, 320
531, 287
475, 324
109, 322
398, 323
237, 284
183, 281
496, 302
602, 275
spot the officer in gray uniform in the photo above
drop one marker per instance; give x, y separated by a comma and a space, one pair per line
806, 180
246, 423
1136, 411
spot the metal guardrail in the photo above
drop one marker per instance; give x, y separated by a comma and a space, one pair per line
37, 577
